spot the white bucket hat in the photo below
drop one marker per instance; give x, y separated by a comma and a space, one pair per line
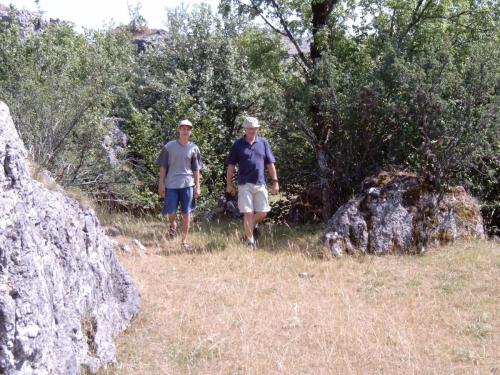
251, 122
185, 122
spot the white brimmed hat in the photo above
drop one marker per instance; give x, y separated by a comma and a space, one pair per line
185, 122
251, 122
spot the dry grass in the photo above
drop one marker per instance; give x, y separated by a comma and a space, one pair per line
223, 310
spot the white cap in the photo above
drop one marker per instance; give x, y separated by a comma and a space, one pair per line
185, 122
251, 122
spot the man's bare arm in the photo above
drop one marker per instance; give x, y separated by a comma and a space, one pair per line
197, 188
161, 181
275, 187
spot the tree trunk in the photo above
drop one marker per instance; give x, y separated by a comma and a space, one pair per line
327, 178
320, 13
323, 128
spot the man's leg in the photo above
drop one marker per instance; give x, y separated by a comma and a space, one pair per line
259, 216
261, 205
248, 224
245, 205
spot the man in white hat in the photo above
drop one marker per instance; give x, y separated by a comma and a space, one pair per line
179, 181
253, 155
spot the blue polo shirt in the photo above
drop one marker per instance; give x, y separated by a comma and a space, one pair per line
251, 160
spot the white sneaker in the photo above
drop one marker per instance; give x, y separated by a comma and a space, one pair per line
251, 245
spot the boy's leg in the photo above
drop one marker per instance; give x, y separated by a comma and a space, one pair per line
185, 226
172, 224
170, 210
186, 196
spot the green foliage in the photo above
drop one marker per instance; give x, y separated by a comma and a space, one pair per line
200, 71
410, 84
59, 85
435, 91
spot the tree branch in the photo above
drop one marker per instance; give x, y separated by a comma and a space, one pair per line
285, 32
284, 24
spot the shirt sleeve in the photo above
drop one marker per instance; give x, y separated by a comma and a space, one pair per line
232, 158
196, 162
162, 160
268, 156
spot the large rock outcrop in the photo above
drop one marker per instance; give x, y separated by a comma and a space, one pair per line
63, 294
398, 213
28, 22
147, 38
115, 142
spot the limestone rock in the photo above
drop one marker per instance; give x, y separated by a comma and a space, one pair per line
28, 22
227, 208
397, 213
115, 142
63, 294
148, 38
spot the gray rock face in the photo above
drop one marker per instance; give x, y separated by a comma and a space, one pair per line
227, 208
28, 22
148, 38
63, 294
115, 142
398, 213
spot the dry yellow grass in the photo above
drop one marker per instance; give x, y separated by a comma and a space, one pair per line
223, 310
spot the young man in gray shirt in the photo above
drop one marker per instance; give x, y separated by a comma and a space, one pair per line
179, 181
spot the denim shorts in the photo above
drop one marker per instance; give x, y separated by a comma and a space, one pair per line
172, 198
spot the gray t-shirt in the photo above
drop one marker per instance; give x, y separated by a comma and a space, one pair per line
180, 162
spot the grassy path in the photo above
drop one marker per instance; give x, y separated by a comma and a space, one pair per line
278, 311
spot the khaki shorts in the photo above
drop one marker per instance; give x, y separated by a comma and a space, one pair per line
253, 198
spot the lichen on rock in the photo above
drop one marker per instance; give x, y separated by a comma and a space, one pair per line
399, 212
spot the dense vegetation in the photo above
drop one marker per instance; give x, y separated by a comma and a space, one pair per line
343, 89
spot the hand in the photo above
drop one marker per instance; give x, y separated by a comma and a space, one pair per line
230, 189
197, 192
161, 190
275, 188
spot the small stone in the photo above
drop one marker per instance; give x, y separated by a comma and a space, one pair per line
305, 275
125, 248
293, 322
142, 248
373, 191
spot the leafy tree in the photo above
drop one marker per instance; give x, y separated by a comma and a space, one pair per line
59, 85
388, 82
199, 71
137, 21
436, 89
294, 20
